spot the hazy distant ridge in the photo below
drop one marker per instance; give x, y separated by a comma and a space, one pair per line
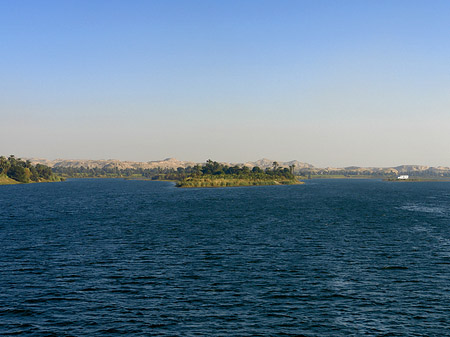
113, 163
266, 163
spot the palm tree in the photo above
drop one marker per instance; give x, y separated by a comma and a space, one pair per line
275, 165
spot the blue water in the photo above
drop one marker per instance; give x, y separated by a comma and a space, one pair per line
328, 258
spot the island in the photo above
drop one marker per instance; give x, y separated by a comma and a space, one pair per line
17, 171
214, 174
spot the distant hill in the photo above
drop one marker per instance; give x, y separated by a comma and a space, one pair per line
268, 163
113, 163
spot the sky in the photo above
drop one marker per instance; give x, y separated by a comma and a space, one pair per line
330, 83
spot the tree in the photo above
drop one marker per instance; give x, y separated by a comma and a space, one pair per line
18, 173
245, 170
257, 169
275, 165
34, 174
197, 170
44, 171
291, 168
12, 160
4, 165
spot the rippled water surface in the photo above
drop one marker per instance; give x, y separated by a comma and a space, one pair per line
328, 258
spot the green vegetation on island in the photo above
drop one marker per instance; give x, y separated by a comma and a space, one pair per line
15, 171
214, 174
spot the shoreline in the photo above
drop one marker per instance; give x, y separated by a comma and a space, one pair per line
5, 180
218, 183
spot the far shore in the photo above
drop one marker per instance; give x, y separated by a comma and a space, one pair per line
4, 180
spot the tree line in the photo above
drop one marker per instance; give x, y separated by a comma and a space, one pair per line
115, 172
23, 171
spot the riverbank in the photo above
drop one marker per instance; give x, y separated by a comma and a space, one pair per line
412, 180
17, 171
4, 180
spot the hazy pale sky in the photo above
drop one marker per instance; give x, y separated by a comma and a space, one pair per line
331, 83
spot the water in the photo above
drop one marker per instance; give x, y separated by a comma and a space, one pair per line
328, 258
